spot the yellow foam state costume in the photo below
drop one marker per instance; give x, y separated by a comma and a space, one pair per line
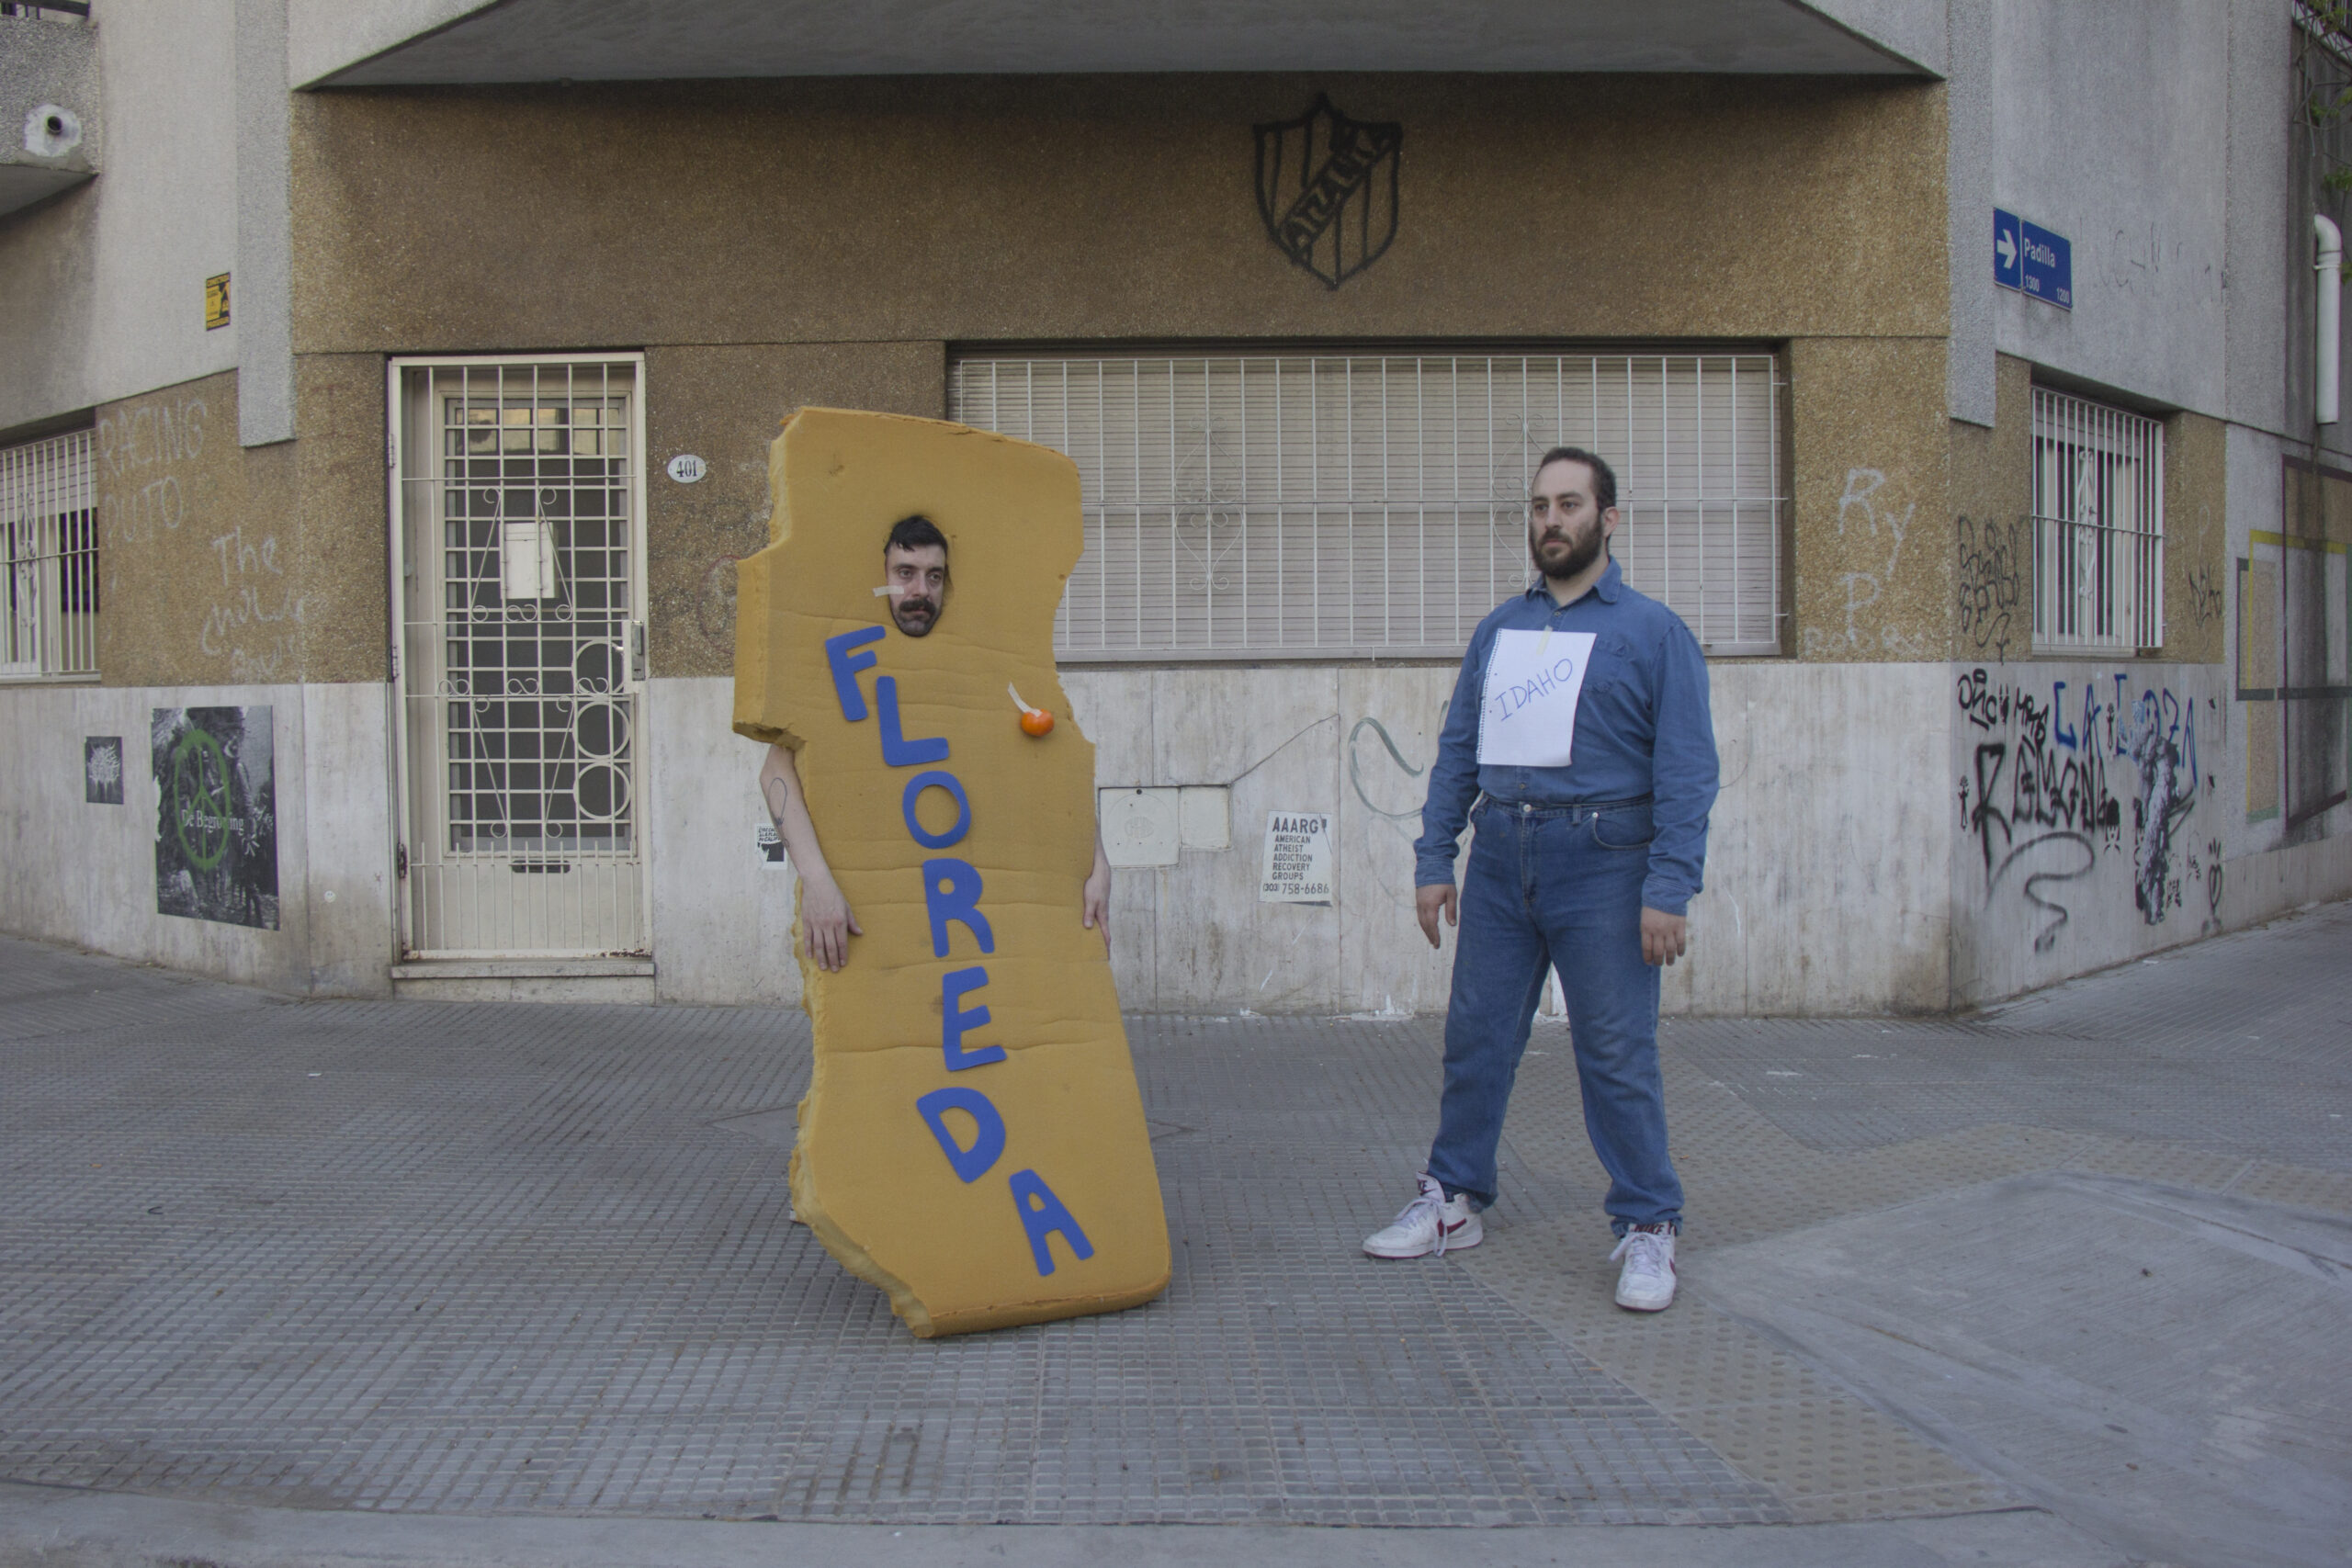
972, 1140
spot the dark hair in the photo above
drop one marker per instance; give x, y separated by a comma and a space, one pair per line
1604, 479
915, 533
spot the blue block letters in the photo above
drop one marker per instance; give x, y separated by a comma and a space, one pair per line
934, 779
954, 1019
988, 1128
1041, 1215
846, 665
897, 750
951, 892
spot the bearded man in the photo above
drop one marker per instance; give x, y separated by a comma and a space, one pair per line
1581, 747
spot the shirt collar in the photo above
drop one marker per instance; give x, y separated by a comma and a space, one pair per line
1611, 583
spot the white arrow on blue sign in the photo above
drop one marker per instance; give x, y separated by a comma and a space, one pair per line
2033, 260
2006, 252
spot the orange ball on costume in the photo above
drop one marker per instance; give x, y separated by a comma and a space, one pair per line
1037, 721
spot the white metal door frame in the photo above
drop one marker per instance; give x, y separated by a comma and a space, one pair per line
396, 370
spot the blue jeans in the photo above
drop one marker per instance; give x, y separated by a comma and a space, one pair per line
1557, 886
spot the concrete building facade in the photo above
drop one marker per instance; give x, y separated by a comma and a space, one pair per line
387, 390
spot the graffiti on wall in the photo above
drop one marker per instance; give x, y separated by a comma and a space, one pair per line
2057, 786
1872, 527
1992, 577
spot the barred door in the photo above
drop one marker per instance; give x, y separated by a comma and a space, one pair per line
522, 659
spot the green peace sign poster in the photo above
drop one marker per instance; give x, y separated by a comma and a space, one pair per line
216, 816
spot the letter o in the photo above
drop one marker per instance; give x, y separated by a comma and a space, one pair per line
936, 779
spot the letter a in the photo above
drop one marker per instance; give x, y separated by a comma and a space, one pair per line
1041, 1215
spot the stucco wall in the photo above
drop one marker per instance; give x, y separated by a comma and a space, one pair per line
1872, 560
2111, 121
1827, 876
960, 208
222, 563
724, 405
105, 297
85, 874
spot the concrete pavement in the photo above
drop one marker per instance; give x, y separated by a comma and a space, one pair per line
411, 1282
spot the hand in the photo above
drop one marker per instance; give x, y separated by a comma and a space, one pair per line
1094, 901
826, 916
1664, 936
1428, 901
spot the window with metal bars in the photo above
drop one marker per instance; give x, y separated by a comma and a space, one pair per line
49, 559
2099, 526
1336, 505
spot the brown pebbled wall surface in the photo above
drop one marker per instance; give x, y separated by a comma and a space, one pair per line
725, 405
626, 215
222, 564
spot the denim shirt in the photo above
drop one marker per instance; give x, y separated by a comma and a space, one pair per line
1643, 728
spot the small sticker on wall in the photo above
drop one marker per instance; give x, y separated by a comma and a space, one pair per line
770, 845
1298, 867
216, 301
102, 770
686, 468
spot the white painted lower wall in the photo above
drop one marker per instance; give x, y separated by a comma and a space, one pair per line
1847, 871
1819, 898
85, 874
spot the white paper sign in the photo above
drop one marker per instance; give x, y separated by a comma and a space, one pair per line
1297, 868
1534, 680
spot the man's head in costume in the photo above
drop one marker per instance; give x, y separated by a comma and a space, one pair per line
914, 570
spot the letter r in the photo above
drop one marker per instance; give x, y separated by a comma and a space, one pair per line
951, 893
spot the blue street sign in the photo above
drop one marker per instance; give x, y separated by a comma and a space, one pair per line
2048, 264
2033, 260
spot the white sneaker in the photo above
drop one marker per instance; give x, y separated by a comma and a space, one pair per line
1431, 1223
1647, 1283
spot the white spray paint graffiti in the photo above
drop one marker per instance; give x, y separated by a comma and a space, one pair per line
1861, 508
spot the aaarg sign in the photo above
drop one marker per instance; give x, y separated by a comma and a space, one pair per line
1297, 864
1326, 189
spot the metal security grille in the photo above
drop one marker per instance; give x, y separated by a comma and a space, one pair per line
521, 657
2099, 526
48, 558
1321, 505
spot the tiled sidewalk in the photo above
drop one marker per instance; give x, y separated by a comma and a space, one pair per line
436, 1257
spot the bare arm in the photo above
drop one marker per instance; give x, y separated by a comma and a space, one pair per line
824, 913
1095, 902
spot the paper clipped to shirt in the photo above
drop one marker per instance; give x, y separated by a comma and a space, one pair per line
1527, 718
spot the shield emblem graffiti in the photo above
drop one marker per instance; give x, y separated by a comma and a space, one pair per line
1326, 188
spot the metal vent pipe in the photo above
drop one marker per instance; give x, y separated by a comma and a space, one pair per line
2327, 361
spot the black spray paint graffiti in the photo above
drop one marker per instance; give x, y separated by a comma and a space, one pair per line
1355, 776
2037, 801
1992, 583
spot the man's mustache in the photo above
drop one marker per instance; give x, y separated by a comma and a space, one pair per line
912, 606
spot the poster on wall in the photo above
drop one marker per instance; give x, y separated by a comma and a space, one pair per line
1297, 864
102, 770
216, 816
